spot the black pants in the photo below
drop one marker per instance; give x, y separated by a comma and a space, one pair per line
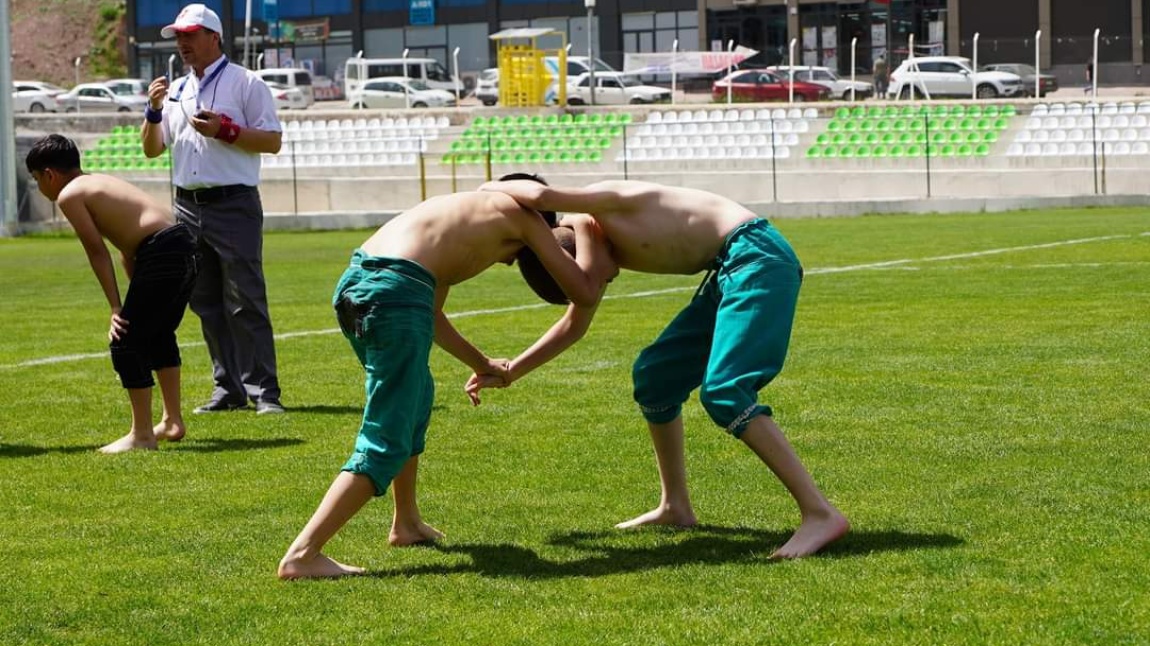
162, 281
230, 296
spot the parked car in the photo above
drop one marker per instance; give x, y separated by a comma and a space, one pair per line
761, 85
129, 87
950, 76
291, 77
614, 88
1048, 82
487, 87
840, 87
287, 98
97, 97
29, 98
396, 91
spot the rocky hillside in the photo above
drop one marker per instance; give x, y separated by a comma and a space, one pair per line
48, 35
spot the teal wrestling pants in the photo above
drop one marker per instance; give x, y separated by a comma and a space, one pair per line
386, 310
732, 337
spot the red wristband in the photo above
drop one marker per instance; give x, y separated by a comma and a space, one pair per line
229, 131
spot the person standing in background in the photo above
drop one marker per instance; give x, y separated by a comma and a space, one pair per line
217, 120
880, 78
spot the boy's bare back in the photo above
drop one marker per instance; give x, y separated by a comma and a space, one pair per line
665, 229
122, 213
456, 236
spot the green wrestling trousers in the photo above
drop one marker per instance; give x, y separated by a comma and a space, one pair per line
731, 339
386, 310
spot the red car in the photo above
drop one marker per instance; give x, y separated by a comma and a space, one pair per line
759, 86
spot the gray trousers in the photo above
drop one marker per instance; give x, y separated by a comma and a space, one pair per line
230, 296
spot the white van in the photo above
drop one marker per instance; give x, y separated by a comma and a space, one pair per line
291, 77
428, 70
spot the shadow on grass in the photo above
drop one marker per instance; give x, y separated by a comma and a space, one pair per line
323, 409
706, 545
209, 445
218, 445
29, 451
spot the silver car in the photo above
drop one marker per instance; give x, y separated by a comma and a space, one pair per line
97, 97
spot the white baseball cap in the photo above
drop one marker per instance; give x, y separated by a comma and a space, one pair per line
193, 17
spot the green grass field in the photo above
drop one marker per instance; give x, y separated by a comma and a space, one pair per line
970, 390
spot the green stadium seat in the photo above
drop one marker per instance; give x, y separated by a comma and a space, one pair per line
815, 152
830, 152
594, 157
990, 137
866, 125
974, 111
898, 150
879, 151
846, 151
964, 150
982, 150
973, 137
835, 126
914, 150
871, 138
862, 150
842, 113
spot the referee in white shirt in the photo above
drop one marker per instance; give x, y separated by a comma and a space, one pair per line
217, 120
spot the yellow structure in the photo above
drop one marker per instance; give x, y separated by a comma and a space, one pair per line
524, 77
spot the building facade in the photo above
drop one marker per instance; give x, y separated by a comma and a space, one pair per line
322, 34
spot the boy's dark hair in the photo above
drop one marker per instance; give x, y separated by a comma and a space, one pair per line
537, 276
548, 216
533, 271
54, 151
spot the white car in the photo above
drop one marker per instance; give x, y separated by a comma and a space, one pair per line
29, 98
614, 88
399, 92
840, 87
287, 98
97, 97
487, 86
129, 87
950, 76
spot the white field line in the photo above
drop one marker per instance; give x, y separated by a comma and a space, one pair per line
657, 292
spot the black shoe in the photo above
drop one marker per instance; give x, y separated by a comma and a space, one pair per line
220, 406
269, 407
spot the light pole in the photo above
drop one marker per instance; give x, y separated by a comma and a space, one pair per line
590, 4
455, 74
247, 33
974, 66
8, 215
674, 53
854, 47
730, 67
1038, 64
406, 80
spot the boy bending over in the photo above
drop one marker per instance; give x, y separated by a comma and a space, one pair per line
159, 258
389, 303
730, 340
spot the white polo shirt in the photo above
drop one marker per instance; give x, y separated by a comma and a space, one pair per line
235, 91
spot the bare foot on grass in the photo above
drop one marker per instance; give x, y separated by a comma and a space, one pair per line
317, 567
170, 431
129, 443
662, 516
815, 533
417, 534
